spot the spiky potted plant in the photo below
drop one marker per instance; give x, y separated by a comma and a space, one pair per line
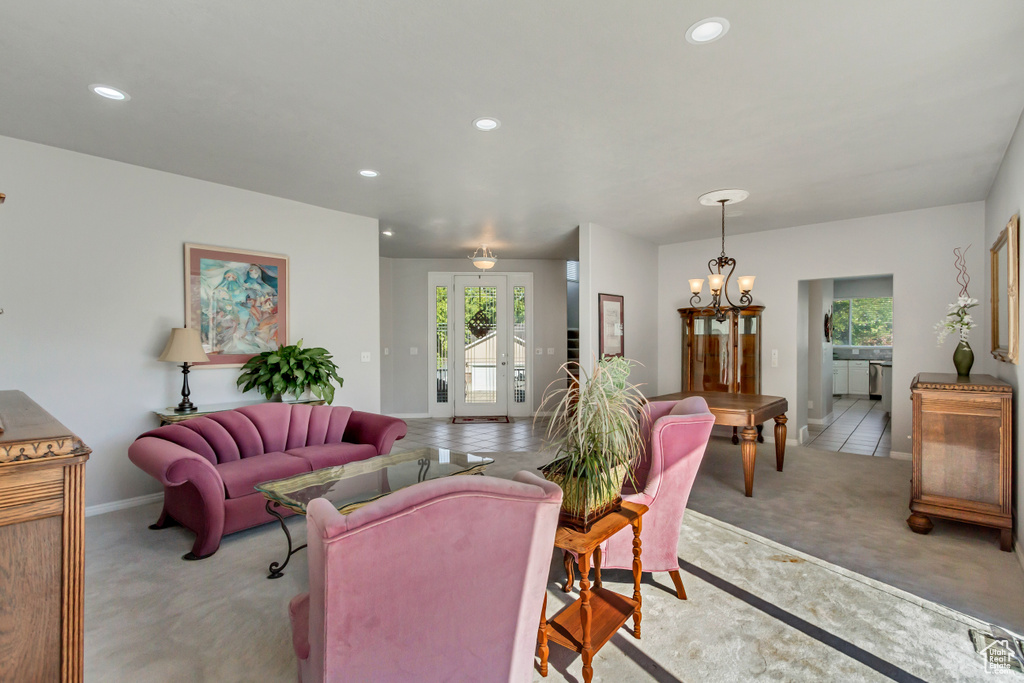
595, 430
291, 370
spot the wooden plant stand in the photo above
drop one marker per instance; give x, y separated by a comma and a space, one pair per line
588, 623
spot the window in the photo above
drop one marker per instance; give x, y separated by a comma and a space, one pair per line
441, 330
862, 322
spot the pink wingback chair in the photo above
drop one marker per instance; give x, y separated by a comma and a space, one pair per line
675, 436
440, 581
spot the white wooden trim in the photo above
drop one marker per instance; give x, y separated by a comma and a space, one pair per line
408, 416
900, 455
115, 505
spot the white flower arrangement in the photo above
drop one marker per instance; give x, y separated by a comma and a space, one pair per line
957, 320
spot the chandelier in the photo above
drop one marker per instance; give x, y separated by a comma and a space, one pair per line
718, 280
483, 258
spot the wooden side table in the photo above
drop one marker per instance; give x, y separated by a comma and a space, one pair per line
588, 623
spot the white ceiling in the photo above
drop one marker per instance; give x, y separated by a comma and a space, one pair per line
822, 109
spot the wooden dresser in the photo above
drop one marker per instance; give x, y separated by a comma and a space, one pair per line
963, 452
42, 544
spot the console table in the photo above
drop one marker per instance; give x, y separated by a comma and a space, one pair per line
587, 624
42, 534
963, 452
170, 416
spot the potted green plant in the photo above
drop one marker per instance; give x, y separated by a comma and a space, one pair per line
291, 370
596, 431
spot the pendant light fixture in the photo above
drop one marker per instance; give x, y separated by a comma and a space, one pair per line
483, 258
718, 280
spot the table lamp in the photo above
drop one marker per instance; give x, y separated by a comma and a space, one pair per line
184, 347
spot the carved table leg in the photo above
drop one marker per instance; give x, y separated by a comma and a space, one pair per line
597, 567
760, 436
277, 568
567, 561
749, 450
1006, 540
780, 441
637, 571
542, 637
586, 618
919, 524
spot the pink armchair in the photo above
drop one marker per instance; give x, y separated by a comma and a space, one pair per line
676, 435
441, 581
209, 465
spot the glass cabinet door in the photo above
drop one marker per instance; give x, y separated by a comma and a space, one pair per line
748, 354
709, 354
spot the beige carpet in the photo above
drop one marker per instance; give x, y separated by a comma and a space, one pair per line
757, 611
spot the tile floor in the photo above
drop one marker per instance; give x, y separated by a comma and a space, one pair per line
518, 435
858, 425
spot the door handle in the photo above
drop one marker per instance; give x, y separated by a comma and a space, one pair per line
502, 362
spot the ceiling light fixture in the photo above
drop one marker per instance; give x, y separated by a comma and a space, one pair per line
368, 173
707, 30
483, 258
717, 281
109, 93
486, 123
387, 233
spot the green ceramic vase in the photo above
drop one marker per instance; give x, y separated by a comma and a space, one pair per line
963, 359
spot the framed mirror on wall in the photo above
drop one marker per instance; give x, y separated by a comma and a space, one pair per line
1004, 293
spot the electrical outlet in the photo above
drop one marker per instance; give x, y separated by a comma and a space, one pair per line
365, 356
856, 352
539, 351
551, 351
413, 351
775, 358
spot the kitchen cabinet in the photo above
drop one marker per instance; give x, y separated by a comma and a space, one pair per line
840, 377
859, 375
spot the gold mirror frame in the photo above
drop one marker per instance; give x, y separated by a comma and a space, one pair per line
1008, 237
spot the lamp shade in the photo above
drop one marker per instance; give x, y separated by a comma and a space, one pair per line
696, 285
184, 346
715, 281
746, 282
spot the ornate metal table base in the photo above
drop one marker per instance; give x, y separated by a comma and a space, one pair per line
277, 568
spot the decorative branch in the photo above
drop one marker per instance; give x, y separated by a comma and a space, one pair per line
962, 278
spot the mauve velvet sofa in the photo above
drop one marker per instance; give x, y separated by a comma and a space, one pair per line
210, 464
440, 581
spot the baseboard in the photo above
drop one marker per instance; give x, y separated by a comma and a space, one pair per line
409, 416
113, 506
820, 420
803, 436
900, 455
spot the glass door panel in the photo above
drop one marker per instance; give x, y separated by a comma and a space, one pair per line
480, 361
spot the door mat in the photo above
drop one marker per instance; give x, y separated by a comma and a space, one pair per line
500, 419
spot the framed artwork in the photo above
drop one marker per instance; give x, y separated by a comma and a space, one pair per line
612, 336
238, 300
1003, 293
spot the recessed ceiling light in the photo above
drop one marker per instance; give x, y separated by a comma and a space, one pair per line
368, 173
108, 92
707, 30
486, 123
387, 233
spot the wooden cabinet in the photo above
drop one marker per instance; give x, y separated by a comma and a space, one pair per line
42, 524
963, 452
722, 356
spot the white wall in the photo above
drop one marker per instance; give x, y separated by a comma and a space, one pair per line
864, 287
1005, 199
915, 246
819, 352
615, 263
410, 328
92, 281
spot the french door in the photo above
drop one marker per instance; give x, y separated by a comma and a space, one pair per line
480, 345
478, 351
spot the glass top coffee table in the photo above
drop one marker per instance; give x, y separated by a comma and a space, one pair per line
351, 486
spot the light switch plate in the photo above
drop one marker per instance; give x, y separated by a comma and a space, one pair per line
365, 356
539, 351
775, 358
413, 351
387, 351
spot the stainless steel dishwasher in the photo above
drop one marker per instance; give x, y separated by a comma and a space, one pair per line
875, 379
